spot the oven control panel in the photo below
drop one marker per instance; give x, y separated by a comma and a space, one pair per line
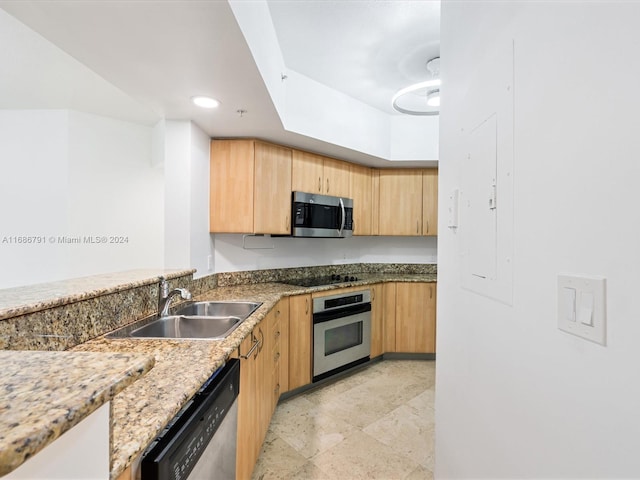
341, 300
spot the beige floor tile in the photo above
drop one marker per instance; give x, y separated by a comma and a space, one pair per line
413, 369
332, 390
363, 457
366, 403
277, 461
307, 429
420, 473
425, 400
309, 471
406, 432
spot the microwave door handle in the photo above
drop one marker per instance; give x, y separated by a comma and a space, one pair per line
342, 219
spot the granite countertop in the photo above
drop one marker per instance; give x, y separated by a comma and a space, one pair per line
142, 410
32, 298
47, 393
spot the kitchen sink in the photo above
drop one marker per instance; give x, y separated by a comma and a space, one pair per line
181, 326
217, 309
193, 320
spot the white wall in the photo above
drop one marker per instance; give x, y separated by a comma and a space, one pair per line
188, 243
518, 398
67, 173
267, 252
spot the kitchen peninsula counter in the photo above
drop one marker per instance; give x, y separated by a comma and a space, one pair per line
47, 393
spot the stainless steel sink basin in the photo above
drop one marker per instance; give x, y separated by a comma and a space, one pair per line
203, 320
180, 326
218, 309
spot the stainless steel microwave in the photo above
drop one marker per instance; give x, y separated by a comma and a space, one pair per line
321, 216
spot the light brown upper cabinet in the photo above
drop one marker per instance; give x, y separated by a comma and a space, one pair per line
317, 174
400, 202
250, 189
430, 201
408, 202
362, 194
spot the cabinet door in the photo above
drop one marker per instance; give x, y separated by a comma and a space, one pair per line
336, 178
375, 203
300, 341
247, 433
306, 172
231, 186
416, 317
430, 201
362, 194
401, 202
281, 333
377, 325
264, 367
389, 309
272, 189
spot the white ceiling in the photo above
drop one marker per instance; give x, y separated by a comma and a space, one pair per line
368, 49
160, 53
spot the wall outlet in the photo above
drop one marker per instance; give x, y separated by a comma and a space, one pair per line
582, 307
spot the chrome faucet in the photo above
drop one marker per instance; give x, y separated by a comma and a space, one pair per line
165, 296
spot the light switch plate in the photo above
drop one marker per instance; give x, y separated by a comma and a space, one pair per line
590, 303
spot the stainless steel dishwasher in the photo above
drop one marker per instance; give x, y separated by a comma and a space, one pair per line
200, 442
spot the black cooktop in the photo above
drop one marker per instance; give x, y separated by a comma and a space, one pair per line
319, 281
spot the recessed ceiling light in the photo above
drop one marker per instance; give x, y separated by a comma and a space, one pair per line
205, 102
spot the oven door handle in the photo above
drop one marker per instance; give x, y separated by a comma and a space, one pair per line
342, 218
329, 315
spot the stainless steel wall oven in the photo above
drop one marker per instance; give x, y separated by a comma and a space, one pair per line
341, 332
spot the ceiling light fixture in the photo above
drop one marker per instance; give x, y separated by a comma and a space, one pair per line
421, 98
205, 102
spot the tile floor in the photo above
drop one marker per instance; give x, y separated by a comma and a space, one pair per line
377, 423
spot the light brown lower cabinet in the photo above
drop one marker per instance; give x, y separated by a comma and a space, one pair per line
260, 384
247, 446
280, 333
415, 318
389, 323
300, 341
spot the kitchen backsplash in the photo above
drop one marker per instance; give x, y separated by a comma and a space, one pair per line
280, 274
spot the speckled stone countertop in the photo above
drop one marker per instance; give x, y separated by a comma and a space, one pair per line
44, 394
140, 412
31, 298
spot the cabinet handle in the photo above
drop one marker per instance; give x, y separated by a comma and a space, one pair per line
430, 292
319, 184
306, 305
417, 226
427, 226
277, 336
255, 345
327, 185
277, 313
261, 339
373, 294
276, 357
277, 389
